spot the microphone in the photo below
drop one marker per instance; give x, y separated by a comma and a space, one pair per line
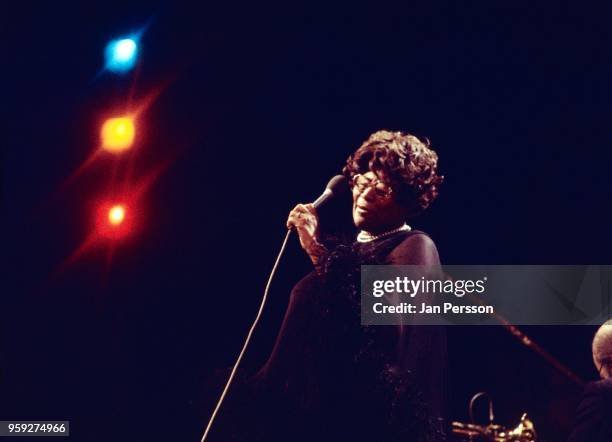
336, 186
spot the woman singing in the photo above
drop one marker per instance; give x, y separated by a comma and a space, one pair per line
329, 378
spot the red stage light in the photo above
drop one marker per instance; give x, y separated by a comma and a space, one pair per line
116, 214
115, 220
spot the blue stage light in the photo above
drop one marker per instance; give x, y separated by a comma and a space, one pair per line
121, 55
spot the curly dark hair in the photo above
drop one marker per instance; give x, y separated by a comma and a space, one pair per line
402, 161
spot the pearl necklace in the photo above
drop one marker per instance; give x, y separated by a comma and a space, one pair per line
368, 237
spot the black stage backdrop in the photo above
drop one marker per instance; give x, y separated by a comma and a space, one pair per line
257, 107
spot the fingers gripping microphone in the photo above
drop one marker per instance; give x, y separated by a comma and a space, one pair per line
336, 186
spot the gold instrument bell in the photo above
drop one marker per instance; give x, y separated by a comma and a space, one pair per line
472, 432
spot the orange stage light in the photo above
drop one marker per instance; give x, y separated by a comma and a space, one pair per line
118, 134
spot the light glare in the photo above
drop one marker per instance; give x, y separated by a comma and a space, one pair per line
121, 55
118, 134
116, 215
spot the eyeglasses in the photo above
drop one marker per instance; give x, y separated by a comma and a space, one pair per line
380, 188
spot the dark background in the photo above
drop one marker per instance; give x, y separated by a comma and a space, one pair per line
258, 107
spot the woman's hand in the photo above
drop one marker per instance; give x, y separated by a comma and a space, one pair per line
305, 220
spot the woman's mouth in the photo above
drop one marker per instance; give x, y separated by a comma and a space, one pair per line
361, 209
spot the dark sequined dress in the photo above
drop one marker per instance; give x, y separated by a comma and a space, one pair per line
329, 378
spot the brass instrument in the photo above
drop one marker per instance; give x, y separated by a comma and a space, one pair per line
472, 432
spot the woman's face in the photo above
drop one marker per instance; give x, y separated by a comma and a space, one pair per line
374, 207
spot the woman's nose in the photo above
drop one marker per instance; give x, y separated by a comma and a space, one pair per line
368, 193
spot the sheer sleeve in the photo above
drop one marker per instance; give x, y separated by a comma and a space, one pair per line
422, 350
416, 249
292, 367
